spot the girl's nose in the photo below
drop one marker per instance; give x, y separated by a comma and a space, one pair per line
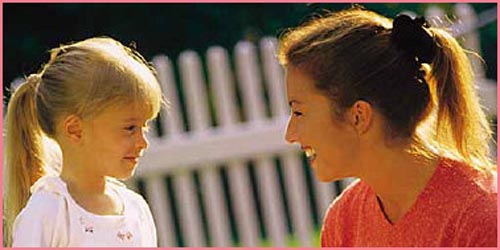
143, 142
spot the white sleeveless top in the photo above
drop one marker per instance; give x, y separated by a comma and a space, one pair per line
52, 218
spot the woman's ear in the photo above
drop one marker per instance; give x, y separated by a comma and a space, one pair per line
361, 116
73, 128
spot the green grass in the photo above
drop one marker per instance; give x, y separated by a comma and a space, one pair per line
293, 241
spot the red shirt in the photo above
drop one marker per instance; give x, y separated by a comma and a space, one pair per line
457, 208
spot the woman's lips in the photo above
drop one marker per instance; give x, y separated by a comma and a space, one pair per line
310, 154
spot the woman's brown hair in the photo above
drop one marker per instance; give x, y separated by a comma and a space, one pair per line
352, 55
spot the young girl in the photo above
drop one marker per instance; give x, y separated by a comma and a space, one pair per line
94, 98
393, 103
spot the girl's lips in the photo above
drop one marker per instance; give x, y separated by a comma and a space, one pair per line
134, 159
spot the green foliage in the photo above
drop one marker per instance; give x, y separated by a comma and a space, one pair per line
31, 29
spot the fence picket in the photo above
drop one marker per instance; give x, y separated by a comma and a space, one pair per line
189, 212
244, 209
225, 104
171, 118
197, 104
216, 210
325, 192
159, 203
195, 95
274, 76
254, 106
296, 191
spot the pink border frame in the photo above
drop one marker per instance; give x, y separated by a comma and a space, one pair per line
222, 1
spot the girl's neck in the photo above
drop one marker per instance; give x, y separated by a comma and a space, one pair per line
80, 180
398, 177
90, 191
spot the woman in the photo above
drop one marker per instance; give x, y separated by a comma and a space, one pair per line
391, 102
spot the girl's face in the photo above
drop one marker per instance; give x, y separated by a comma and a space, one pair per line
331, 145
114, 140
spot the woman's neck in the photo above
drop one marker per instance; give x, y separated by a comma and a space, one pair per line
397, 176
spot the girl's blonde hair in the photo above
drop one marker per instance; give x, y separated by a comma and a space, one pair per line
351, 56
82, 79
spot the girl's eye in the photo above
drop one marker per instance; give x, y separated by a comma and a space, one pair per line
297, 113
131, 128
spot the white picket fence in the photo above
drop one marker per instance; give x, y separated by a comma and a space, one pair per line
232, 143
218, 171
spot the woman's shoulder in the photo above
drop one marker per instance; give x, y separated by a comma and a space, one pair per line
477, 221
351, 191
346, 197
337, 215
471, 181
471, 193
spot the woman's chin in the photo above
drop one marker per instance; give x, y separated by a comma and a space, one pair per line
324, 177
327, 176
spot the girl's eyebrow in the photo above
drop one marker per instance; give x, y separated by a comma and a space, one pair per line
131, 119
135, 119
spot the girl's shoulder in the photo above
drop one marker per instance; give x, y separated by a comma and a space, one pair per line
127, 194
50, 185
46, 203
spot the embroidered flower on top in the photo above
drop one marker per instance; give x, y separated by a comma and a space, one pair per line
125, 235
88, 228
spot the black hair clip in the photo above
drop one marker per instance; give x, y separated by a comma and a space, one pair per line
411, 36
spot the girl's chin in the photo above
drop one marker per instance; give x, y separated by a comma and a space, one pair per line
123, 176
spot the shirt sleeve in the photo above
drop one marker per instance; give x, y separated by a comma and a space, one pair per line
153, 241
36, 224
334, 227
147, 226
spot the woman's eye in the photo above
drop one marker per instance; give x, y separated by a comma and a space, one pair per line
297, 113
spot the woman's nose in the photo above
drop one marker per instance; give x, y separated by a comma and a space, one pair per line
291, 133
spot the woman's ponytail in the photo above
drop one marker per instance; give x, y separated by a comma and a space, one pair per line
462, 128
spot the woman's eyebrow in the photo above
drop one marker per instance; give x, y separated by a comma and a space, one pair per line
291, 102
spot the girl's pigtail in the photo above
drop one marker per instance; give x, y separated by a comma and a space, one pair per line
24, 159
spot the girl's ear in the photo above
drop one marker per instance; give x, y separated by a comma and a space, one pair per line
361, 116
73, 128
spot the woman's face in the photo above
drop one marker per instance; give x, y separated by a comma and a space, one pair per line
331, 145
